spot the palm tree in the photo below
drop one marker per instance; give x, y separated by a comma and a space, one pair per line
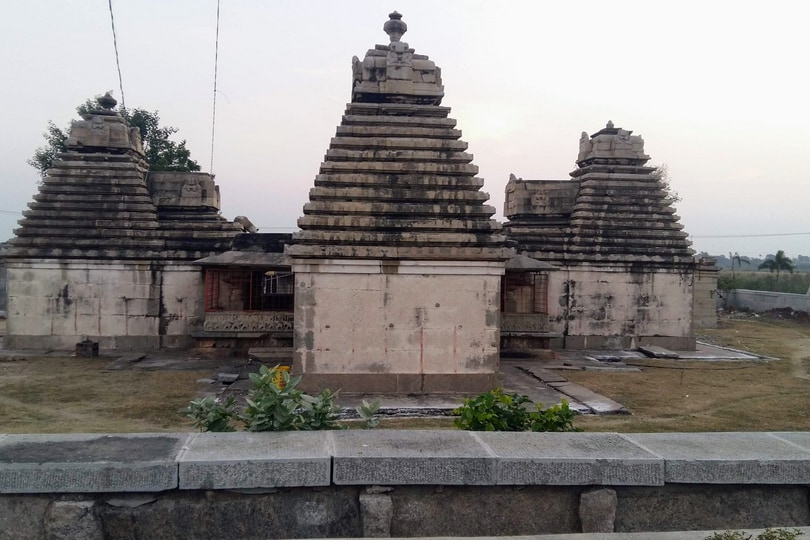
739, 260
777, 264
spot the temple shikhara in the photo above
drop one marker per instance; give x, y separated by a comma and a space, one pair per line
399, 279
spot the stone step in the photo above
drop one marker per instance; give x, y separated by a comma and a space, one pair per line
401, 109
408, 194
393, 167
358, 223
396, 238
91, 240
397, 131
398, 143
340, 154
111, 206
645, 224
397, 208
394, 120
92, 195
394, 181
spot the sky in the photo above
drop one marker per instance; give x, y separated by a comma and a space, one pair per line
719, 91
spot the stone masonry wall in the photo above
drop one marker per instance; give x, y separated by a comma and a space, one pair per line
380, 483
56, 304
618, 308
384, 318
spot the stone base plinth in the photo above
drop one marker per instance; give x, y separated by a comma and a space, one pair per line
401, 383
397, 326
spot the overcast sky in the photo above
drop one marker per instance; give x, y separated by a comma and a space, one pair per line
720, 91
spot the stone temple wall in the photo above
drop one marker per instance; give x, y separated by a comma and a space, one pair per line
365, 326
123, 306
622, 308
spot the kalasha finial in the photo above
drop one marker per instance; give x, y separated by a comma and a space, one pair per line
609, 124
107, 102
394, 26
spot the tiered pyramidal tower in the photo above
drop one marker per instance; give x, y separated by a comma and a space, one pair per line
398, 259
627, 269
106, 251
614, 210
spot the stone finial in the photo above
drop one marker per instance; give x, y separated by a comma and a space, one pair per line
107, 102
395, 27
609, 124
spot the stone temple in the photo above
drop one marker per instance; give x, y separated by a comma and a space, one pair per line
398, 262
399, 279
104, 252
621, 271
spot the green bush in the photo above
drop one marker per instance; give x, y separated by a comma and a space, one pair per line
209, 414
270, 407
284, 407
497, 410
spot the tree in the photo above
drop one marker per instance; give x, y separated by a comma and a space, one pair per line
662, 174
739, 260
777, 264
161, 153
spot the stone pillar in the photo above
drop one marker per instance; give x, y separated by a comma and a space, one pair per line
376, 512
597, 510
72, 520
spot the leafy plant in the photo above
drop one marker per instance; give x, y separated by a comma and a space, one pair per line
211, 415
497, 410
769, 534
273, 407
367, 412
273, 404
557, 418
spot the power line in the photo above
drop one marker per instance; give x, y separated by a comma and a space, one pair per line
751, 235
214, 108
117, 62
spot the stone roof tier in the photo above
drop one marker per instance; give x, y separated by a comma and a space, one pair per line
396, 181
614, 209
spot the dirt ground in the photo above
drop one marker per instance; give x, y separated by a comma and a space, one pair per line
60, 394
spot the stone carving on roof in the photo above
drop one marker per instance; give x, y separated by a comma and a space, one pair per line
611, 144
104, 130
393, 73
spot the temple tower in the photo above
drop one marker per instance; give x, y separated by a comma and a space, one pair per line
105, 252
625, 266
398, 261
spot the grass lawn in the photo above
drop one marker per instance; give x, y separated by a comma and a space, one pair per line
671, 395
67, 394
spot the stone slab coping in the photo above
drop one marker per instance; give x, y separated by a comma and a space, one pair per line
731, 458
84, 463
572, 459
89, 463
246, 460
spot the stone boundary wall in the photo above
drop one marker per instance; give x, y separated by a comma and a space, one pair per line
402, 483
759, 301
